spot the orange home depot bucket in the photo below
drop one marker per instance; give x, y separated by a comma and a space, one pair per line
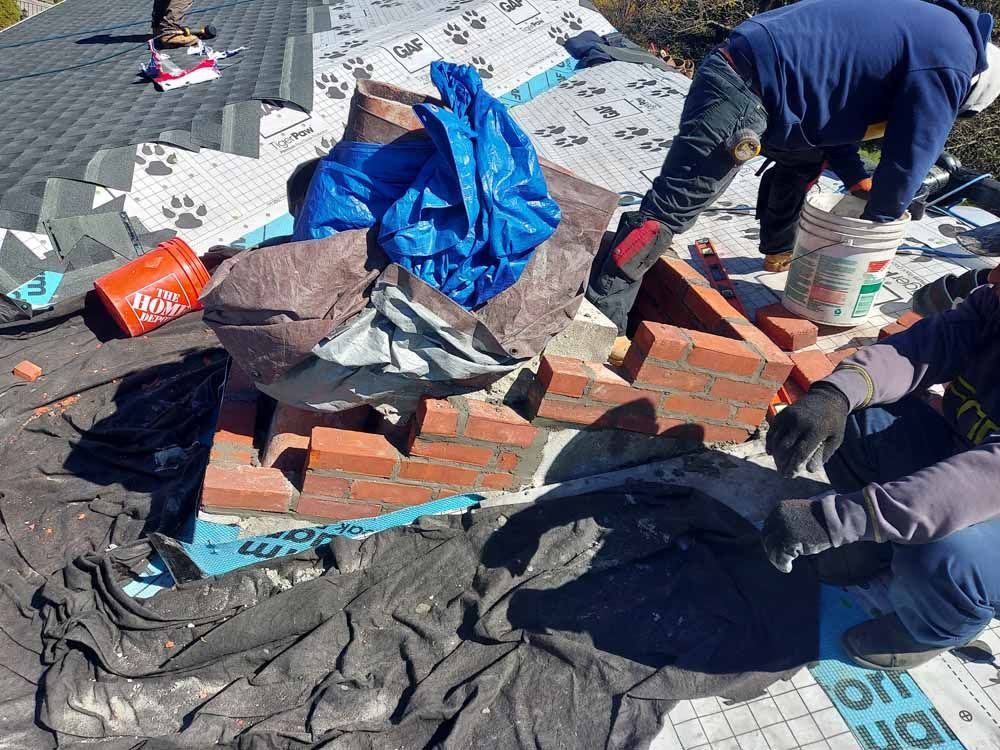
151, 290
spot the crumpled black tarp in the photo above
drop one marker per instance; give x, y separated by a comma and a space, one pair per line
110, 443
571, 623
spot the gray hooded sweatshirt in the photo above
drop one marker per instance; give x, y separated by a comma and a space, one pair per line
960, 347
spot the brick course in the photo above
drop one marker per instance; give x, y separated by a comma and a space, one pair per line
786, 329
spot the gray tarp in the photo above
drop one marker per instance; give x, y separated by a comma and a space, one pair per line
281, 311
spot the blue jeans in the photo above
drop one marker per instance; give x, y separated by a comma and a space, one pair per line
947, 591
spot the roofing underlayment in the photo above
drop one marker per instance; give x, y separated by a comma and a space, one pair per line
611, 124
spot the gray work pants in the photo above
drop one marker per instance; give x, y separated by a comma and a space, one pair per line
697, 170
168, 15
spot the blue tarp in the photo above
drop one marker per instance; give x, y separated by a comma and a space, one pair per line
463, 211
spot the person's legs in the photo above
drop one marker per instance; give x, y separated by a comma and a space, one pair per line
168, 16
780, 198
697, 169
880, 444
946, 592
885, 443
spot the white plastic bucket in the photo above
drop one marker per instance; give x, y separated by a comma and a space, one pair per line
839, 261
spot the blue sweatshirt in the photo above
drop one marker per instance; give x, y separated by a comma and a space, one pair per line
827, 69
960, 347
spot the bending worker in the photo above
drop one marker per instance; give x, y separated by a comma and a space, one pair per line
808, 82
910, 485
168, 24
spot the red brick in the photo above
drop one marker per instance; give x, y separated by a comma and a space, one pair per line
647, 374
750, 416
27, 370
636, 417
746, 393
908, 318
890, 330
570, 411
508, 461
841, 354
437, 474
563, 375
437, 417
236, 422
659, 305
794, 391
676, 276
287, 451
354, 452
326, 485
722, 355
649, 309
777, 365
497, 424
810, 367
709, 307
718, 434
398, 494
697, 407
660, 341
226, 453
289, 419
246, 487
786, 329
335, 510
611, 388
496, 481
463, 454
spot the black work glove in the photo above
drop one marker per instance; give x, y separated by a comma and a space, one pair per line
809, 432
794, 528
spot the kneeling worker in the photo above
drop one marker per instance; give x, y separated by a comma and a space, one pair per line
807, 83
924, 488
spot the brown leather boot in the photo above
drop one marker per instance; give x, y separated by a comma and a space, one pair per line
777, 263
175, 40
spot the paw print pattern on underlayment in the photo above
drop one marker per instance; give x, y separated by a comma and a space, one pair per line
550, 130
184, 213
642, 83
484, 68
324, 147
664, 92
156, 160
345, 29
558, 34
332, 86
455, 5
592, 91
456, 33
656, 144
568, 141
475, 20
358, 68
344, 49
572, 20
631, 133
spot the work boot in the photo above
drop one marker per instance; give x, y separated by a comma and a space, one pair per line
777, 262
885, 644
176, 39
852, 564
618, 351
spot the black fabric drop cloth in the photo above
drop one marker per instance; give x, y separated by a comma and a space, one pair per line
108, 444
572, 623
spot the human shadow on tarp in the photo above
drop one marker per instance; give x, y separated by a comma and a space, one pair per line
660, 574
144, 456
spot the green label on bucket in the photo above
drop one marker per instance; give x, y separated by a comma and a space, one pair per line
866, 298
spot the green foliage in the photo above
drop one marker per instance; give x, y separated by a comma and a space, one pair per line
10, 13
690, 28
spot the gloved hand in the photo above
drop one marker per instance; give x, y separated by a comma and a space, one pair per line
794, 528
809, 432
